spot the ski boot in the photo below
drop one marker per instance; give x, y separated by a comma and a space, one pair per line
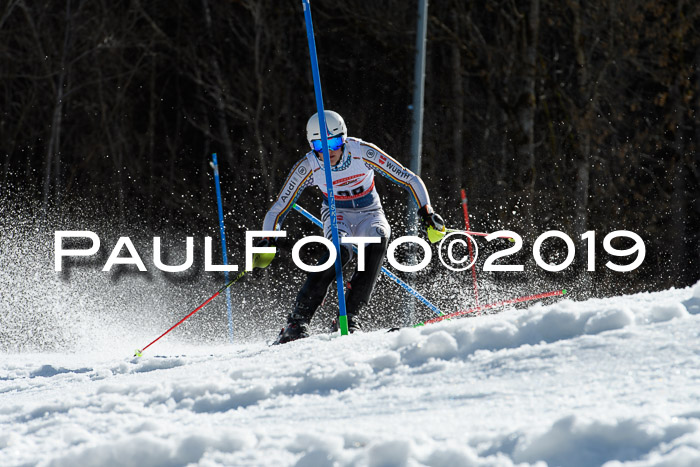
354, 324
297, 323
354, 320
295, 329
355, 305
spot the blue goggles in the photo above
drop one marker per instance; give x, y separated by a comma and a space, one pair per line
333, 143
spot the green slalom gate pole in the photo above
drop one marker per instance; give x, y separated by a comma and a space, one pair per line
342, 317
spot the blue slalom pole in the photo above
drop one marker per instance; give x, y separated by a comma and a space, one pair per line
388, 273
342, 318
215, 165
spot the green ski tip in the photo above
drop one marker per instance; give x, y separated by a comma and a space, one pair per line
137, 353
563, 291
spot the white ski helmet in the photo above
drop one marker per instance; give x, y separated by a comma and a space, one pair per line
335, 126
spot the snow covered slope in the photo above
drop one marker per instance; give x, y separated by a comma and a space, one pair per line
612, 381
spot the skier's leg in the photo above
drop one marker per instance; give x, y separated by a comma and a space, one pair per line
362, 283
310, 298
315, 288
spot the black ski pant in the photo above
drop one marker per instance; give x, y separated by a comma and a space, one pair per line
359, 289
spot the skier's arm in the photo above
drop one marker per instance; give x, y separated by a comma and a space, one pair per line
390, 168
299, 178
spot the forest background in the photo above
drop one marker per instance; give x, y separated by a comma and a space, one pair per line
558, 114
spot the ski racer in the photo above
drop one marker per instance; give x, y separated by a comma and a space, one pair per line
359, 213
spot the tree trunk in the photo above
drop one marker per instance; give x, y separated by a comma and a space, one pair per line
268, 181
224, 133
53, 151
54, 144
526, 105
583, 163
457, 109
679, 219
151, 148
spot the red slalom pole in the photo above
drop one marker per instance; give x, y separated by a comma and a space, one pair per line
471, 249
139, 352
494, 305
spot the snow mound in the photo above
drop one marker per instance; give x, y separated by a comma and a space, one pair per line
693, 303
147, 449
537, 325
574, 442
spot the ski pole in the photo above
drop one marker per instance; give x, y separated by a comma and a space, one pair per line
436, 235
139, 352
388, 273
492, 305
